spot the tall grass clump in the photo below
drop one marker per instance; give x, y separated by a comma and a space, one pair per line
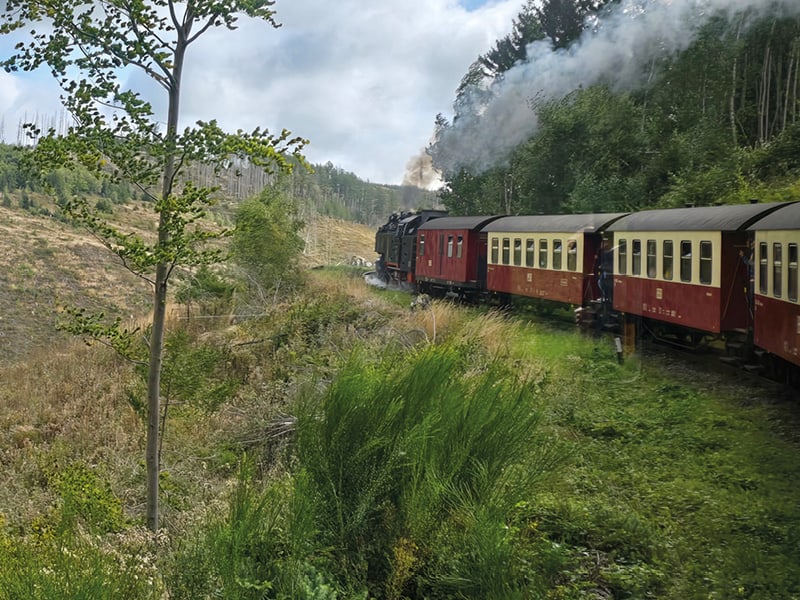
414, 464
262, 548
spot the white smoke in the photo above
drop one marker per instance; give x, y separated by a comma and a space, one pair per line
617, 48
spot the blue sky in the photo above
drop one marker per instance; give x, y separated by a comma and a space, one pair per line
362, 80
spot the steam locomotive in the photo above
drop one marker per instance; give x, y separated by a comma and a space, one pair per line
688, 275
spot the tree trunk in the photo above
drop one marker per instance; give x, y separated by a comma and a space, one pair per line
154, 396
160, 294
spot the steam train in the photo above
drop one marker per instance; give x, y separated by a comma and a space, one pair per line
688, 275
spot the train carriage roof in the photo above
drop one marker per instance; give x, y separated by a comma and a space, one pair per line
731, 217
786, 217
586, 223
453, 223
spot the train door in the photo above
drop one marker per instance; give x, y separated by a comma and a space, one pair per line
440, 256
483, 253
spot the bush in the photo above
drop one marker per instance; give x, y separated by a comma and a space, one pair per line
415, 465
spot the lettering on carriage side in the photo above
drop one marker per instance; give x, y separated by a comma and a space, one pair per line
529, 277
659, 293
659, 310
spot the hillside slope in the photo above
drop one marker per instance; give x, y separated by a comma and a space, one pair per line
47, 265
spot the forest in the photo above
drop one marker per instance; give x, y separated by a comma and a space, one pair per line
589, 105
322, 189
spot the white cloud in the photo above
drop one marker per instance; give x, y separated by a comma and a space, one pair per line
362, 80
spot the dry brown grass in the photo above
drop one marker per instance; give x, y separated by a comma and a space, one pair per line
58, 407
444, 320
49, 265
336, 242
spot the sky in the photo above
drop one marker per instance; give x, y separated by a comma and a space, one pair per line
362, 80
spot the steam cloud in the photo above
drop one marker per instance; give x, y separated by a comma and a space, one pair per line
420, 172
616, 48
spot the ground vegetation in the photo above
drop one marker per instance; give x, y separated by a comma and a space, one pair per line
344, 445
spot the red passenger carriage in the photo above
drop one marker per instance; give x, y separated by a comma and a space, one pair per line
451, 255
684, 269
552, 257
775, 262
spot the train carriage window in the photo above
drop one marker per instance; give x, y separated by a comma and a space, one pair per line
530, 249
777, 269
495, 250
542, 254
449, 246
636, 256
622, 257
792, 291
422, 244
706, 262
517, 252
666, 260
763, 260
557, 255
506, 251
572, 255
459, 245
651, 259
686, 260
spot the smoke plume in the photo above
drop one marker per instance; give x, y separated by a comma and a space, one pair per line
420, 172
616, 48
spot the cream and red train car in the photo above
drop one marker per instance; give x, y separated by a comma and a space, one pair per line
451, 256
775, 262
683, 269
551, 257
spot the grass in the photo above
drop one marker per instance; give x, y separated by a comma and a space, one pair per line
674, 491
672, 481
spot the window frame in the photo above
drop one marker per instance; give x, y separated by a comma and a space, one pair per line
763, 268
668, 260
572, 254
543, 251
530, 252
686, 258
558, 254
777, 269
651, 247
706, 262
636, 257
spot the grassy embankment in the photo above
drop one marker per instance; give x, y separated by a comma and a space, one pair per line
637, 480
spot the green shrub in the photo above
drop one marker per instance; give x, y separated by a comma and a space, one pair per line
415, 463
261, 548
56, 561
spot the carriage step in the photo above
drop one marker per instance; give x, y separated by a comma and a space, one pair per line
731, 360
753, 368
